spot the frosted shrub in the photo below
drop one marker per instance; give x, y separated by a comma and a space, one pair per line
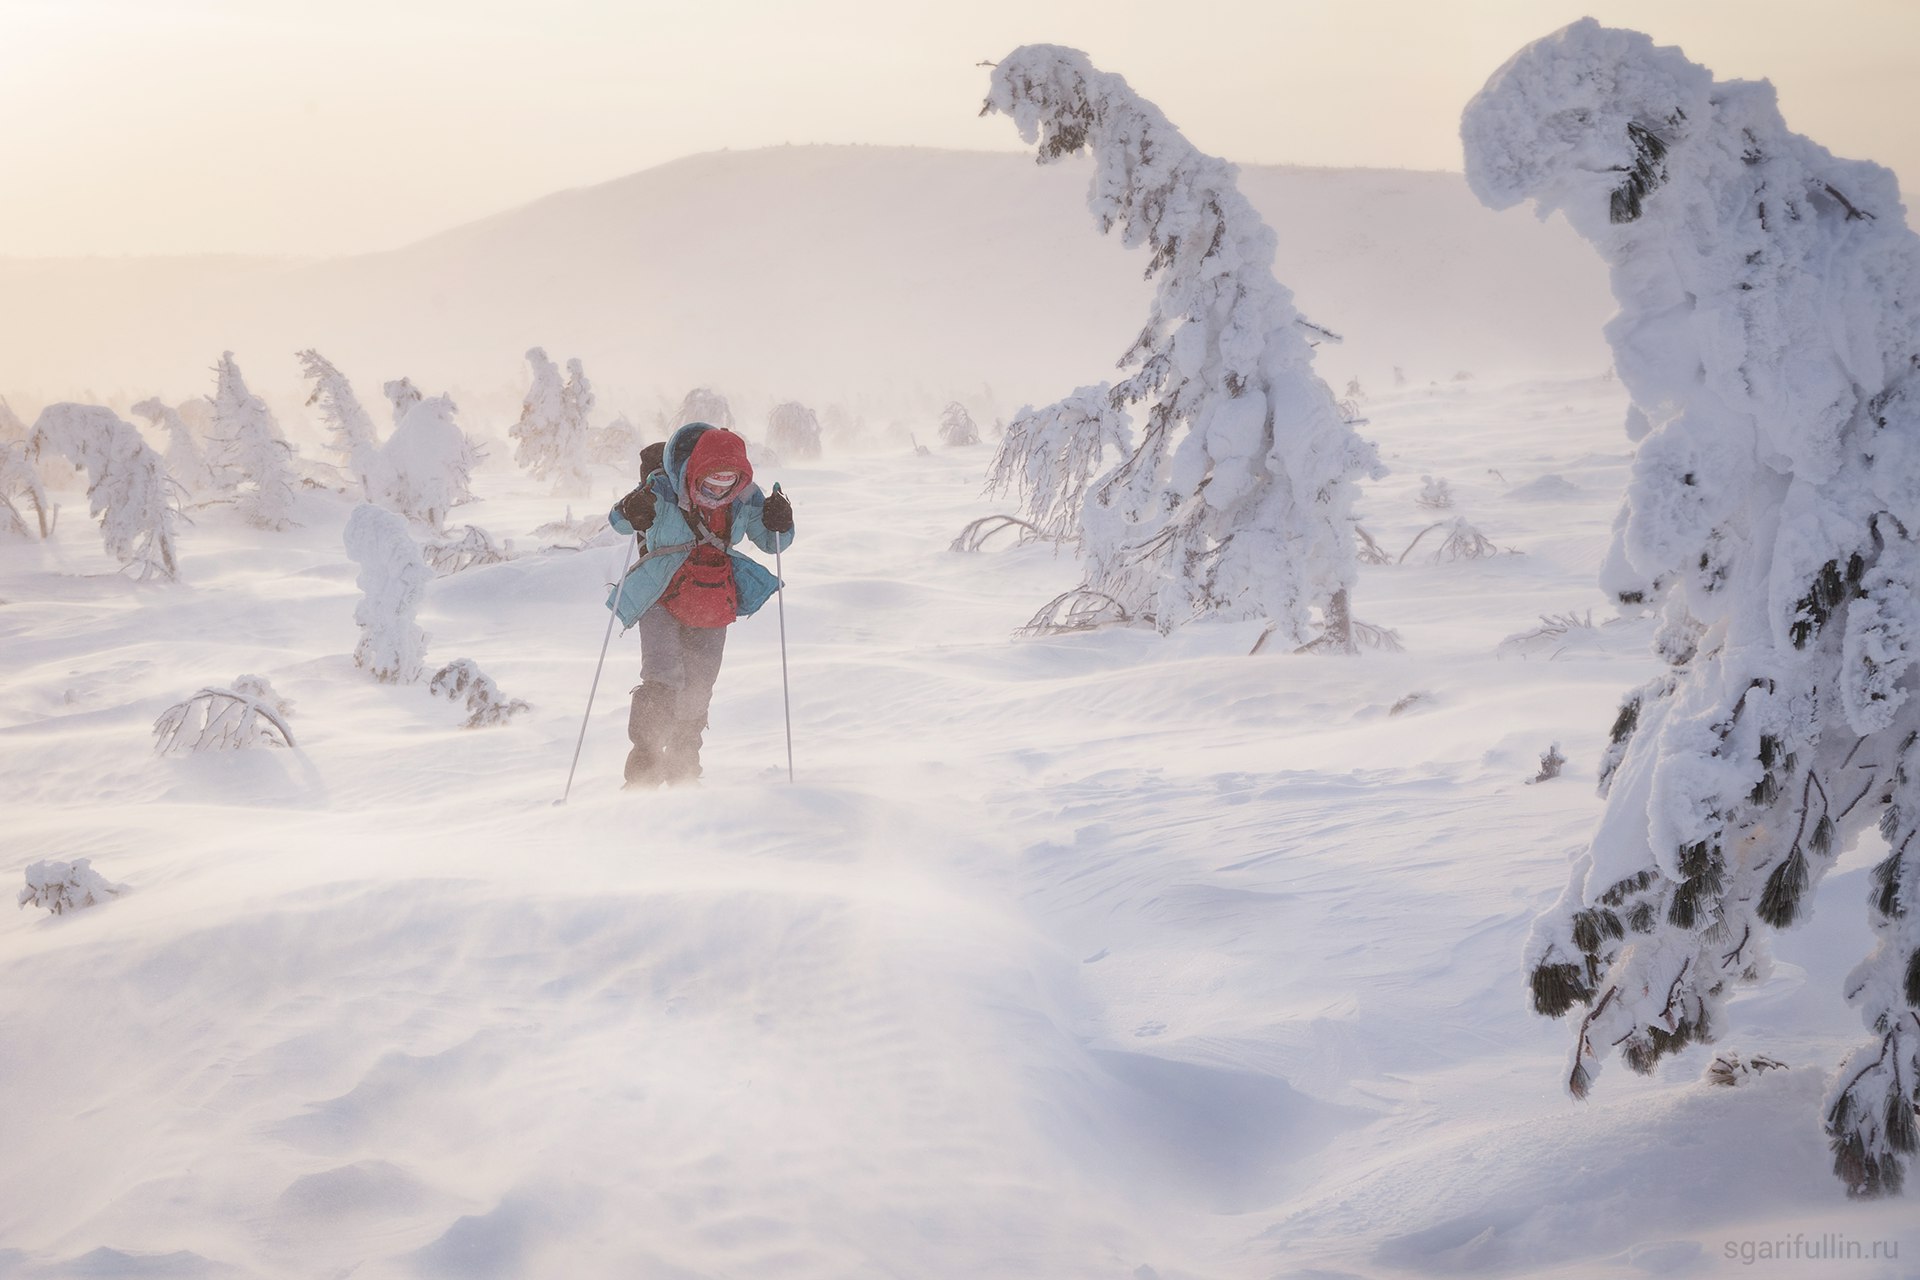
1048, 456
427, 462
794, 431
186, 461
248, 714
1766, 335
350, 429
249, 453
127, 484
957, 426
615, 445
61, 887
702, 404
1237, 499
393, 579
21, 490
462, 680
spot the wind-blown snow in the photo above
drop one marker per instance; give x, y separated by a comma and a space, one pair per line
1105, 955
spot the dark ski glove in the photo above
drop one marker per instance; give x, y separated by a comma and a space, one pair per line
637, 509
777, 514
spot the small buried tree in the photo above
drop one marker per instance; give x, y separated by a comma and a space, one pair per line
127, 484
1768, 339
249, 452
957, 426
547, 440
1237, 501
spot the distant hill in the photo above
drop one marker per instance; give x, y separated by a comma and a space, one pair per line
894, 274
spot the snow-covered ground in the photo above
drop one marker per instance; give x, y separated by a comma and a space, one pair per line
1102, 955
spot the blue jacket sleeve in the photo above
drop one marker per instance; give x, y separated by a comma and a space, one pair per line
618, 521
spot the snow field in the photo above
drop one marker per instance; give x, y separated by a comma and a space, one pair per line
1099, 955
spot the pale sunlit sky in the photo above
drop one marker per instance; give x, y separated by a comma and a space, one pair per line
338, 126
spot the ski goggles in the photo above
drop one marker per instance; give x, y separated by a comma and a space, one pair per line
719, 484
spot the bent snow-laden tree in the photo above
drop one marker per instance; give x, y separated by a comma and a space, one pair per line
350, 429
249, 453
20, 482
1237, 500
1768, 336
186, 462
1049, 456
393, 579
127, 483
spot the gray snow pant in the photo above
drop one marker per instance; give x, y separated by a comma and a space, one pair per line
685, 658
678, 665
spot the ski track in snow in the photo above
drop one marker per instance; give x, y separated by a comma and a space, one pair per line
1100, 955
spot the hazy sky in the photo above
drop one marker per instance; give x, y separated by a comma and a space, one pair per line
328, 126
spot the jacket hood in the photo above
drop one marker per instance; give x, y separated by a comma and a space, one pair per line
699, 449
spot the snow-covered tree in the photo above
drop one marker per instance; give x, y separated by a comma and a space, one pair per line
702, 404
1767, 335
127, 484
186, 461
402, 395
1237, 501
20, 487
551, 440
11, 428
351, 434
249, 452
393, 580
426, 464
957, 426
469, 550
1050, 455
793, 430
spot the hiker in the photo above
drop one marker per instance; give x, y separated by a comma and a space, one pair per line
696, 498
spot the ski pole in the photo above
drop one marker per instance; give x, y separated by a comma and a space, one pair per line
780, 602
632, 546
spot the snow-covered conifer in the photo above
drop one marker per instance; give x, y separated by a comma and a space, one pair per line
402, 395
11, 428
957, 426
61, 887
793, 430
548, 440
1050, 455
1238, 499
702, 404
249, 451
127, 483
350, 429
426, 464
20, 487
393, 579
1766, 335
